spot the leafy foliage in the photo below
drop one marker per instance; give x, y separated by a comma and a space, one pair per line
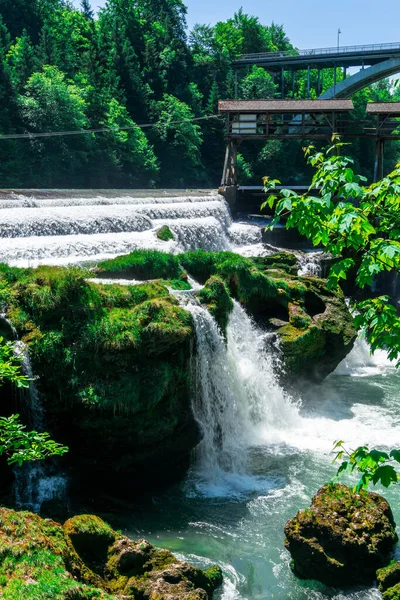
10, 366
357, 224
373, 466
18, 444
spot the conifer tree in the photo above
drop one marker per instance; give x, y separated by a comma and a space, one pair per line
87, 9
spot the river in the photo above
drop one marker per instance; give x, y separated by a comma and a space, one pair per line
263, 454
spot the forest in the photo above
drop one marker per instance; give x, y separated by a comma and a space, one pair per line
136, 64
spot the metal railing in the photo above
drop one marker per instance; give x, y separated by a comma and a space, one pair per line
322, 51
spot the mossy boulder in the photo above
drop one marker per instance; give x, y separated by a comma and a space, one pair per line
279, 260
113, 367
343, 538
165, 234
86, 560
388, 580
313, 324
319, 332
142, 265
215, 296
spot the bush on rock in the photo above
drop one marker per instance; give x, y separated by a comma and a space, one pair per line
343, 538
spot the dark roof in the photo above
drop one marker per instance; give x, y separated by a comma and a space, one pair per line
374, 108
280, 106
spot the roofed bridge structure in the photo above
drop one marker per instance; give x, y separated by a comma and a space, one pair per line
302, 119
377, 62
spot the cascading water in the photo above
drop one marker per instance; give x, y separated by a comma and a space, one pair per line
236, 396
34, 481
69, 228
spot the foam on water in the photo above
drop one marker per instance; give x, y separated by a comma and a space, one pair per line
361, 363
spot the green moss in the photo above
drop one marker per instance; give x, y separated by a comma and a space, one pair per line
392, 593
216, 297
298, 317
32, 566
178, 284
388, 577
199, 263
280, 260
142, 264
165, 234
301, 348
215, 576
87, 560
90, 537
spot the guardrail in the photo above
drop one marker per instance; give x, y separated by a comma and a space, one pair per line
322, 51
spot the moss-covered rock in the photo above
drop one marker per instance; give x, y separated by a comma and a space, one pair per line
114, 373
216, 297
141, 264
316, 331
393, 593
389, 577
165, 234
87, 560
320, 330
113, 361
343, 538
280, 260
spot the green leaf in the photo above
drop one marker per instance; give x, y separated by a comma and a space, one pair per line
386, 475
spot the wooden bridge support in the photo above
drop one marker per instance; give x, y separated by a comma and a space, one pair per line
229, 175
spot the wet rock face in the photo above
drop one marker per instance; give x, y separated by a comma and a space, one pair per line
343, 538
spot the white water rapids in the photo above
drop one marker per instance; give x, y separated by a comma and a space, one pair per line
65, 227
240, 404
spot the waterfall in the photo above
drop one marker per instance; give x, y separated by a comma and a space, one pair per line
310, 263
67, 228
35, 481
360, 362
236, 393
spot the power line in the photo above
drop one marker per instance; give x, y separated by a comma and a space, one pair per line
20, 136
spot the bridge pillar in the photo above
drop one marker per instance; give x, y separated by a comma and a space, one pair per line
283, 83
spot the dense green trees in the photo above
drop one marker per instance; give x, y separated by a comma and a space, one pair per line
62, 68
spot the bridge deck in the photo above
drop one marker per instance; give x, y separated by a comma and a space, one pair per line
346, 56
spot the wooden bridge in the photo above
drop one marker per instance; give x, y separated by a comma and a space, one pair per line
302, 119
377, 61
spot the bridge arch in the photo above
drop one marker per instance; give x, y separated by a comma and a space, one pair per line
364, 77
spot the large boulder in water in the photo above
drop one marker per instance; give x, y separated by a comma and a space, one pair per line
343, 538
313, 324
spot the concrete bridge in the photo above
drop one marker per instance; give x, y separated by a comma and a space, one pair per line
377, 62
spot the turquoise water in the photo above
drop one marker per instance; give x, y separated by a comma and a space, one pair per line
237, 519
